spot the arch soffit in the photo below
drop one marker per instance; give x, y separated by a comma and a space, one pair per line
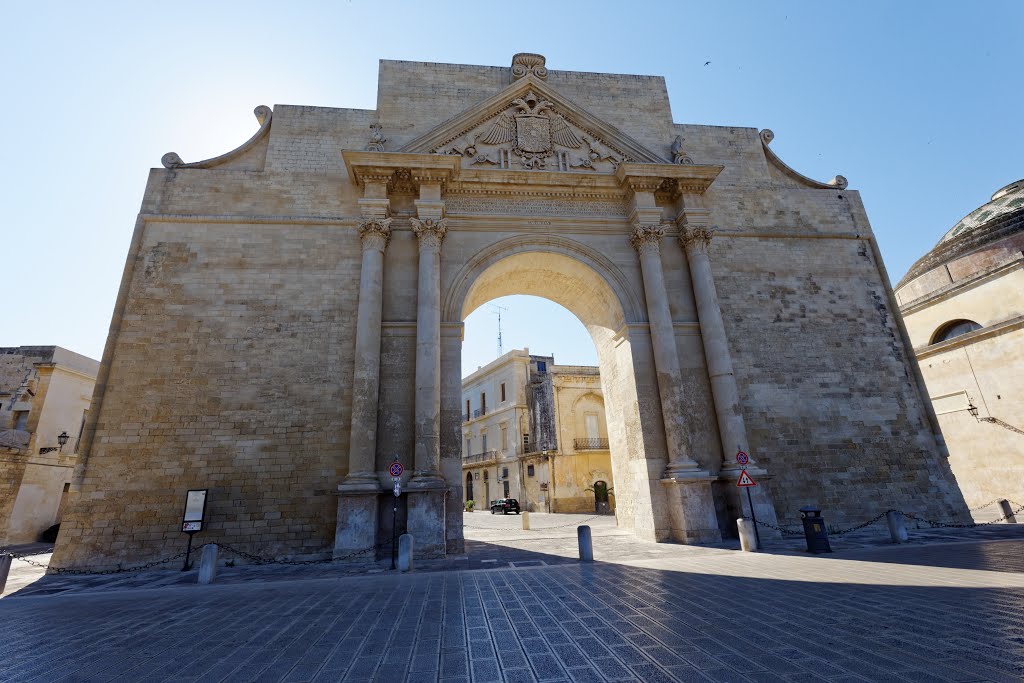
454, 302
587, 395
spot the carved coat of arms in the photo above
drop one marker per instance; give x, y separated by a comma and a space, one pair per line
534, 131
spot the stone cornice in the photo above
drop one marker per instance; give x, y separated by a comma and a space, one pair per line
955, 288
687, 178
971, 337
363, 166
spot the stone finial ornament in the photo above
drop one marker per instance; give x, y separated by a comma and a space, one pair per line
839, 182
679, 155
528, 63
377, 139
767, 136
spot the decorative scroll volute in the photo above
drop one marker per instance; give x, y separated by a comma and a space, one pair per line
647, 237
528, 63
375, 232
696, 237
430, 232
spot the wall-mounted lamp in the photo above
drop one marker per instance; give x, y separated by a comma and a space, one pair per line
972, 409
61, 439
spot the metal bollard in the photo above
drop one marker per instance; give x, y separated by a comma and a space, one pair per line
526, 520
405, 547
586, 542
748, 539
208, 564
1007, 509
897, 527
5, 569
814, 530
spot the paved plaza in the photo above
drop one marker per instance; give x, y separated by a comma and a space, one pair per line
518, 607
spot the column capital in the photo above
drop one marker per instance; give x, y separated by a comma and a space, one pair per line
647, 236
374, 232
695, 237
429, 231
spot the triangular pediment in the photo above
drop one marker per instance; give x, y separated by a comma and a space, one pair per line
530, 126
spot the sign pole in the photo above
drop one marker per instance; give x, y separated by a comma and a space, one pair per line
394, 530
188, 551
396, 471
753, 517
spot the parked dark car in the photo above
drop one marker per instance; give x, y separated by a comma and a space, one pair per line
504, 506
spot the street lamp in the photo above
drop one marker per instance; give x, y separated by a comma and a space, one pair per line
972, 409
62, 439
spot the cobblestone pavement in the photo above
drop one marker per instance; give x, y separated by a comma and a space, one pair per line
716, 615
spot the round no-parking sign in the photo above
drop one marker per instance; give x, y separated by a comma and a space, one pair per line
396, 469
742, 458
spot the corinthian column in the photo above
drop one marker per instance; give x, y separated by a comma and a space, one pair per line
374, 233
695, 238
646, 239
429, 232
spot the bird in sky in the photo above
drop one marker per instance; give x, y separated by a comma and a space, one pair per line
707, 62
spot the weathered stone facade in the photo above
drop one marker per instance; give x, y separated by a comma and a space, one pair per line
44, 395
963, 305
290, 320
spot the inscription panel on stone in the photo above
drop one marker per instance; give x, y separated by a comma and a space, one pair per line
455, 204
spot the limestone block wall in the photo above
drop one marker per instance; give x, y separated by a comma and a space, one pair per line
231, 372
831, 407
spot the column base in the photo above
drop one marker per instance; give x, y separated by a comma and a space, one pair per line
761, 495
426, 519
356, 529
692, 508
427, 481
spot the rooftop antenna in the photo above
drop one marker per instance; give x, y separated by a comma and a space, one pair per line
495, 308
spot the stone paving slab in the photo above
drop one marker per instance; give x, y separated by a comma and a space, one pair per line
718, 615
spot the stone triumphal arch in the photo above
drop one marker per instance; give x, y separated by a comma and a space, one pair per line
290, 321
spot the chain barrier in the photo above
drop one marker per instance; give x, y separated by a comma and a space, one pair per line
909, 515
950, 525
149, 565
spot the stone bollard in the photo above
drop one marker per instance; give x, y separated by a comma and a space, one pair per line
586, 542
208, 564
5, 569
748, 537
897, 527
405, 547
526, 520
1007, 509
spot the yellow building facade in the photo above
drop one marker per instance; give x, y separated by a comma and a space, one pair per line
536, 431
963, 306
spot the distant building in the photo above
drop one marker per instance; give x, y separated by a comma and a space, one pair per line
963, 305
44, 399
536, 431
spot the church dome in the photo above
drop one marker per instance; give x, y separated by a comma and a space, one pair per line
979, 241
1006, 200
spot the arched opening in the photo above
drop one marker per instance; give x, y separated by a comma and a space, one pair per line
954, 328
595, 292
469, 487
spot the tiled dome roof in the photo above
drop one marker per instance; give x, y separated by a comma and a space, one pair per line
1007, 199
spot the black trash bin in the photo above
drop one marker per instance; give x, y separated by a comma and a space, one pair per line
814, 530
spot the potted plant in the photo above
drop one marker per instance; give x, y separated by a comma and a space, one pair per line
469, 505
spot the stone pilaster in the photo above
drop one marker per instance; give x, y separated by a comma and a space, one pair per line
695, 237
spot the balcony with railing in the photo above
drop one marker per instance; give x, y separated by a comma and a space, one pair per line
479, 412
589, 444
480, 458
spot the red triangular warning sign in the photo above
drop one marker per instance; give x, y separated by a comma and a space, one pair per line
745, 479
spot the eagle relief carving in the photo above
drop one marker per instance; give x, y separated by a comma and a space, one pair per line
530, 134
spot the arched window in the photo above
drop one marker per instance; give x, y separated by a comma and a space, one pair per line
954, 328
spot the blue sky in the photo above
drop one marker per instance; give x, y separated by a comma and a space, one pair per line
918, 104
